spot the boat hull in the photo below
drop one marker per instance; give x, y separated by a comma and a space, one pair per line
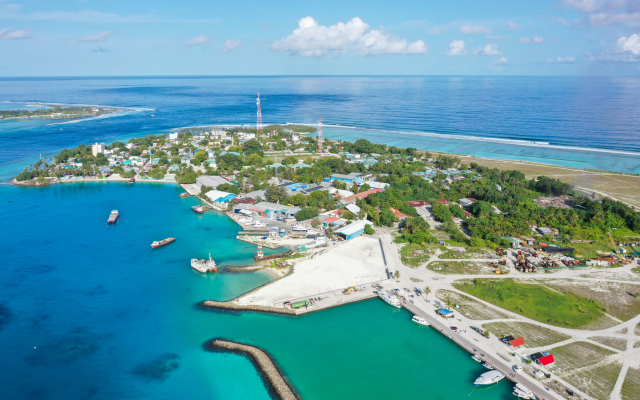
162, 243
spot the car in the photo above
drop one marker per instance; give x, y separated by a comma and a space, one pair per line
454, 328
517, 368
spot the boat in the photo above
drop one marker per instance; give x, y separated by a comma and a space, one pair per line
487, 365
259, 224
132, 180
198, 209
521, 391
185, 194
162, 242
282, 232
419, 320
489, 378
299, 230
389, 299
113, 217
204, 265
476, 358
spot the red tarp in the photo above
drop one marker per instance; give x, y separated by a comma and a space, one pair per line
517, 342
546, 360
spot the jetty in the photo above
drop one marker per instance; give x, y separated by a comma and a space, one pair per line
269, 372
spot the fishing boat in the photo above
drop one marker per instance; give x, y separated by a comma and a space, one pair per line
487, 365
389, 299
162, 242
204, 265
185, 194
419, 320
476, 358
489, 378
113, 217
198, 209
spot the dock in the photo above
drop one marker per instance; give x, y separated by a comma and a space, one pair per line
254, 240
269, 371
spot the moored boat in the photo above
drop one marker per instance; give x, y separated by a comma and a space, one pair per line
198, 209
162, 242
487, 365
489, 378
185, 194
521, 391
259, 224
132, 180
113, 217
476, 358
204, 265
389, 299
419, 320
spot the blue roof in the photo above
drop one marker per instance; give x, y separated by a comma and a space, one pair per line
444, 311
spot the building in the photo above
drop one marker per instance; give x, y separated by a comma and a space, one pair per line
353, 208
466, 202
353, 230
97, 148
362, 195
516, 342
350, 178
173, 136
211, 180
416, 203
217, 196
267, 209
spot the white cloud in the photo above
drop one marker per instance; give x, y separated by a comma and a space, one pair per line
503, 61
100, 37
561, 21
490, 49
631, 43
512, 25
468, 29
231, 44
489, 37
7, 34
313, 40
606, 19
565, 60
456, 48
535, 39
199, 41
607, 12
582, 5
435, 31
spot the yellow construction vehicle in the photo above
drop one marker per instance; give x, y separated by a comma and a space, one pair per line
349, 290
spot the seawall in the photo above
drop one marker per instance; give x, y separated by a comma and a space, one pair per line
268, 370
230, 306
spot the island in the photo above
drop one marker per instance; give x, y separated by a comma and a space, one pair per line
533, 276
57, 112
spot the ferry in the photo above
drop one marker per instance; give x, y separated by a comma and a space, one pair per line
162, 242
523, 392
389, 299
419, 320
476, 358
487, 365
489, 378
204, 265
198, 209
113, 217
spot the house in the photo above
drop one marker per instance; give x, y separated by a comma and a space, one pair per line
218, 196
211, 180
97, 148
544, 231
340, 192
416, 203
542, 358
270, 209
350, 178
309, 190
353, 208
444, 313
353, 230
377, 185
362, 195
443, 201
467, 214
457, 220
465, 202
173, 136
246, 200
516, 342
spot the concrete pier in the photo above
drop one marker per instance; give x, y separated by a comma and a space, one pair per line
228, 305
269, 372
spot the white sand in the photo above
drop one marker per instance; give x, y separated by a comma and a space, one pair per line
356, 262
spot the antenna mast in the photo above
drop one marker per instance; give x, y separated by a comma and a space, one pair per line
259, 122
320, 135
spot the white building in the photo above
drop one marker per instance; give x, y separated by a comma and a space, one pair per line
173, 136
97, 148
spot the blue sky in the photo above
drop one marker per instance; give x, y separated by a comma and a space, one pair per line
372, 37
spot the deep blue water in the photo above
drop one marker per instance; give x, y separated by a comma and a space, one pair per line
583, 112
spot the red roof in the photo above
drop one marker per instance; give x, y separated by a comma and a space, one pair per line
467, 214
443, 201
546, 360
330, 220
517, 342
361, 195
416, 203
245, 200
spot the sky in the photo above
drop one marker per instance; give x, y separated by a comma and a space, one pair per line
329, 37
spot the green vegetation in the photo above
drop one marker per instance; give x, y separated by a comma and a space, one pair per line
307, 213
423, 253
368, 230
534, 335
470, 307
56, 112
616, 343
459, 267
631, 385
535, 301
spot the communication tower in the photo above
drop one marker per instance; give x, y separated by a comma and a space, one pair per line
320, 135
259, 123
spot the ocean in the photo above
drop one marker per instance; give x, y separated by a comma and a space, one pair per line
90, 311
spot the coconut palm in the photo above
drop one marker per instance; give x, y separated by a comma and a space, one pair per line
426, 290
397, 275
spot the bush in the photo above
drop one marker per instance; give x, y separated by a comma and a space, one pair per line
307, 213
368, 230
189, 177
24, 176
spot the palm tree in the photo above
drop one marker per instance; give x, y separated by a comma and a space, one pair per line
397, 275
427, 290
449, 304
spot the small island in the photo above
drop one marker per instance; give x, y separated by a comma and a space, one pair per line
57, 112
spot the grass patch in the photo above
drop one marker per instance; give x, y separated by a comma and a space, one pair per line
416, 280
631, 385
469, 307
471, 252
534, 336
616, 343
590, 250
535, 301
597, 382
460, 267
577, 355
415, 260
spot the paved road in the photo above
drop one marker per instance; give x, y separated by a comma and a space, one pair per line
498, 364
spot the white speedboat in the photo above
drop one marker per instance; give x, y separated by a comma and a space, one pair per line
476, 358
389, 299
489, 378
523, 392
487, 365
419, 320
259, 224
